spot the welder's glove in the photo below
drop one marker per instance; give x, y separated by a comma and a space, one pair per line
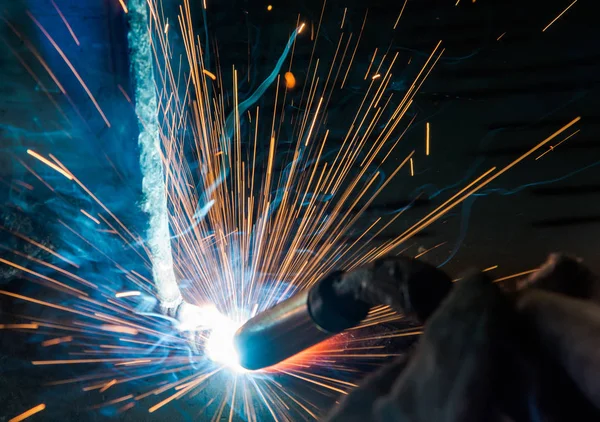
486, 355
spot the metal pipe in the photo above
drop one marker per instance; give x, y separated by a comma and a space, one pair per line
338, 302
296, 324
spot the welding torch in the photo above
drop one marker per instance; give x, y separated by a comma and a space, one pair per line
339, 301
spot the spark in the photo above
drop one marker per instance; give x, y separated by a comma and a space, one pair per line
376, 76
119, 329
371, 64
483, 271
135, 362
270, 7
516, 275
108, 385
42, 247
19, 326
430, 249
556, 18
72, 290
76, 361
114, 401
49, 164
412, 169
65, 22
553, 147
29, 413
464, 193
94, 219
344, 18
209, 74
70, 65
124, 93
23, 184
128, 294
124, 6
55, 341
500, 37
401, 12
290, 80
427, 131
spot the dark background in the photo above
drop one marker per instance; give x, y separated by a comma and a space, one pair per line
487, 100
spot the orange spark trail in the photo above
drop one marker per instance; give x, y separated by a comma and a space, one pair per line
68, 62
400, 15
552, 147
39, 245
29, 413
55, 341
427, 132
94, 219
107, 386
50, 164
124, 93
508, 277
19, 326
556, 18
209, 74
124, 6
65, 22
43, 277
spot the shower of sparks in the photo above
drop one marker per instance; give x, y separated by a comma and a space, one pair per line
70, 65
256, 215
558, 17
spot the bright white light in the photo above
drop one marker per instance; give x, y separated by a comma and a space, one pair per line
219, 329
220, 347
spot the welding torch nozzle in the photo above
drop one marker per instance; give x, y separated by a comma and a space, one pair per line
337, 302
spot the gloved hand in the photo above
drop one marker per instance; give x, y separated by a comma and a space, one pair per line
487, 355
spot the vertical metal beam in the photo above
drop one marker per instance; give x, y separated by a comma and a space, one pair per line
154, 202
